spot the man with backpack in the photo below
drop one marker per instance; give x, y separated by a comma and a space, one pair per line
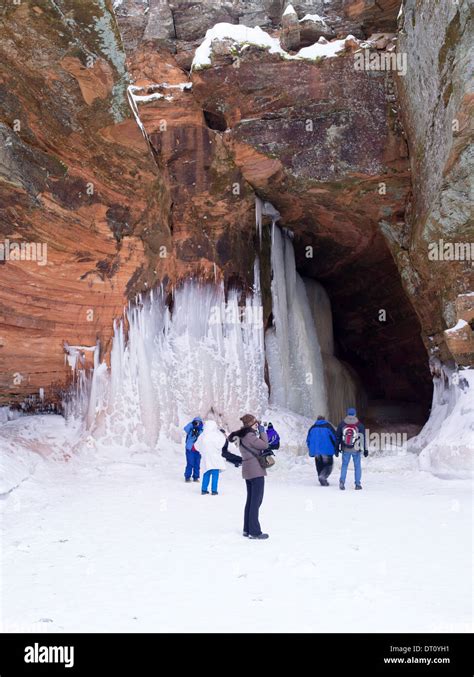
321, 443
350, 440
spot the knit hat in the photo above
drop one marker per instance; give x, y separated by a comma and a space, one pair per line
248, 420
351, 412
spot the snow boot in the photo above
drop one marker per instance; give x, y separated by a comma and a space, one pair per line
203, 493
358, 486
186, 479
195, 479
341, 485
260, 537
245, 533
324, 483
215, 493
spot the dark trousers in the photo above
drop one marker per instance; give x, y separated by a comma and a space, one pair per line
255, 489
324, 466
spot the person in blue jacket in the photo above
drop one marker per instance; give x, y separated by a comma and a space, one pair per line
193, 458
321, 443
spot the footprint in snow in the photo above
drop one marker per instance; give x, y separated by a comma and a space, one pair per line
23, 548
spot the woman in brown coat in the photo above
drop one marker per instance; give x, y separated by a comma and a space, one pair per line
252, 438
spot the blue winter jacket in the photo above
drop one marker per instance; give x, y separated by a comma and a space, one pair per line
321, 439
273, 438
188, 429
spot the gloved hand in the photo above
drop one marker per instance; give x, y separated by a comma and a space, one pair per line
366, 453
337, 454
261, 429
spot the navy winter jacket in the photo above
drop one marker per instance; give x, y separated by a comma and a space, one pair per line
361, 443
321, 439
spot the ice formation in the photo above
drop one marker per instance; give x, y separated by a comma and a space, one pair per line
305, 376
206, 357
342, 387
446, 441
293, 353
264, 209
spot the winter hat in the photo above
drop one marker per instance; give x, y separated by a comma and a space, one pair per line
351, 412
248, 420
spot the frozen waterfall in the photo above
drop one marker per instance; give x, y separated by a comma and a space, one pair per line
205, 357
341, 383
305, 376
293, 352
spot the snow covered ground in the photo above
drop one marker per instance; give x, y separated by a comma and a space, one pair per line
112, 540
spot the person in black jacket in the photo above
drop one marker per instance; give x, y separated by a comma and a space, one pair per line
350, 440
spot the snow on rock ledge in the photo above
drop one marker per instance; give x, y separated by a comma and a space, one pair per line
243, 35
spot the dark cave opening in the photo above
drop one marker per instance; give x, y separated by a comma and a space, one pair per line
215, 120
377, 334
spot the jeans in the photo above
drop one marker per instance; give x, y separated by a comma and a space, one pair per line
346, 458
193, 463
207, 476
255, 490
324, 465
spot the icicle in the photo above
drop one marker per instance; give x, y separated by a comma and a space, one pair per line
256, 277
258, 217
271, 211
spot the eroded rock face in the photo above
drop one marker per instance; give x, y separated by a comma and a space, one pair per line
76, 178
436, 103
211, 206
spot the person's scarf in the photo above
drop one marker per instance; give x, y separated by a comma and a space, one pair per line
241, 433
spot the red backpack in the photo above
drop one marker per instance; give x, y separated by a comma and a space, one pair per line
350, 435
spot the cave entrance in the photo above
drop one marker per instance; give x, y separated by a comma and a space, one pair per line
377, 333
215, 120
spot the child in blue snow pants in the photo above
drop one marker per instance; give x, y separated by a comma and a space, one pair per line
214, 474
